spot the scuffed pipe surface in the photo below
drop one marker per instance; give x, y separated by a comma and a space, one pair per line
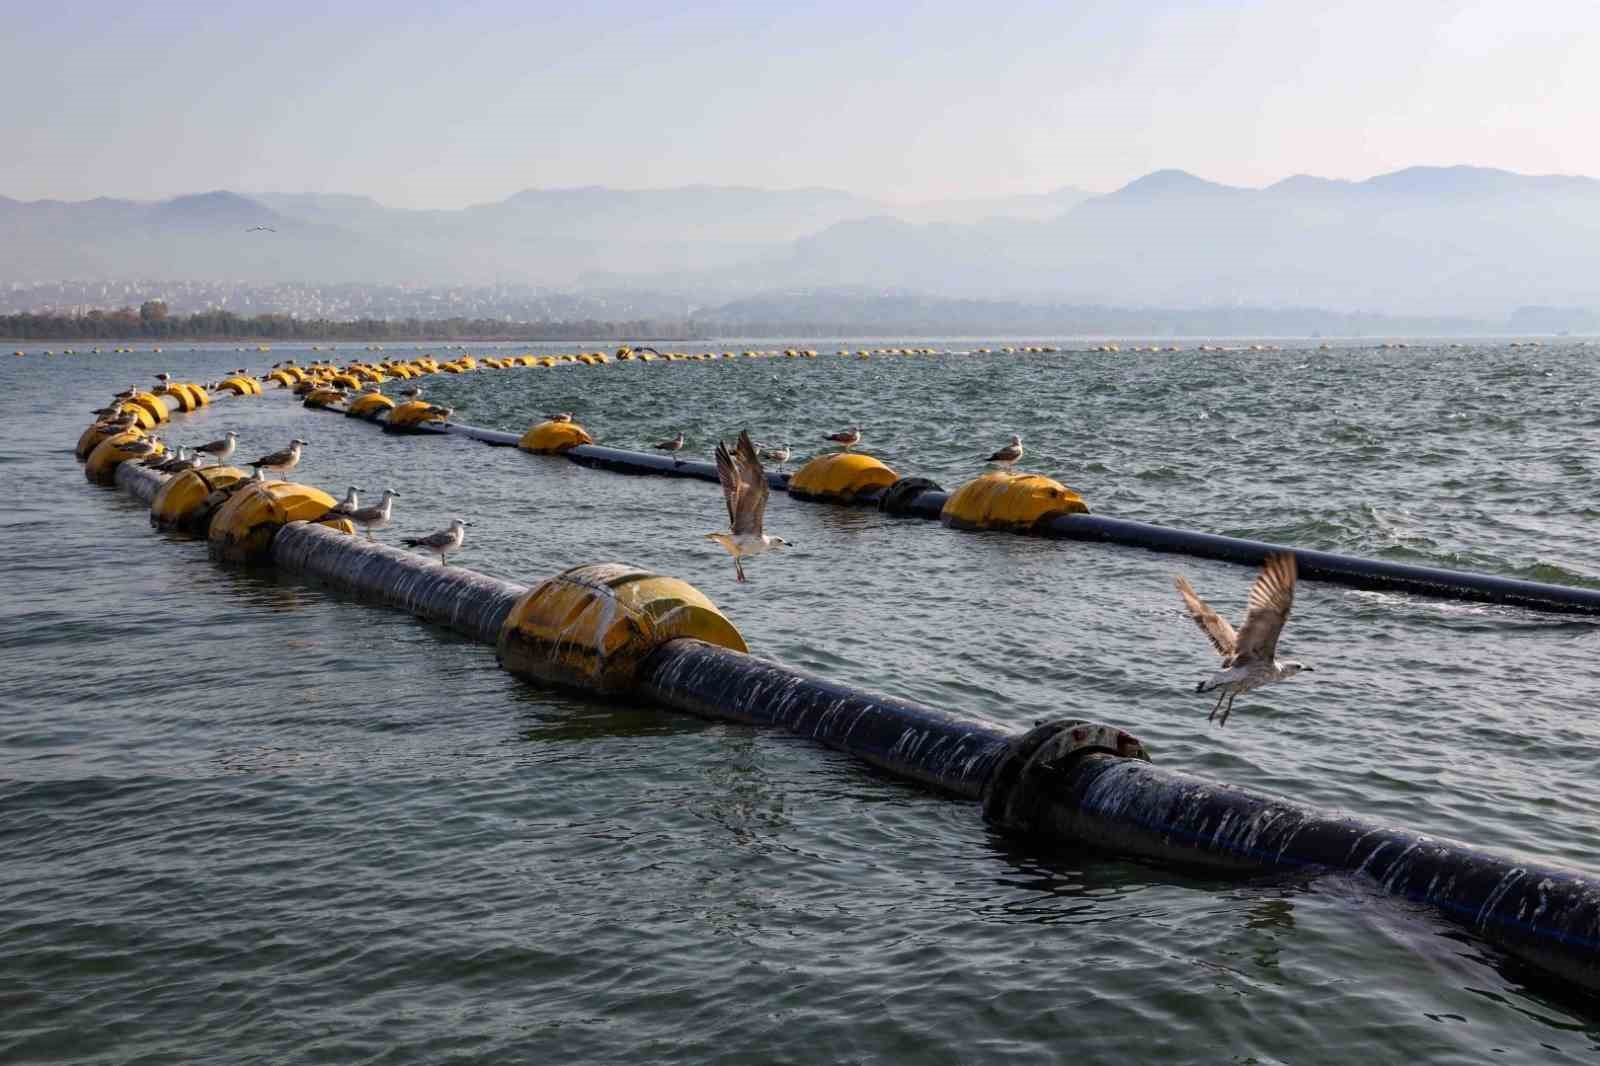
1547, 915
466, 601
137, 481
909, 740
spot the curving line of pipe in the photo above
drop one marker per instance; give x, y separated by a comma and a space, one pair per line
1331, 568
1546, 915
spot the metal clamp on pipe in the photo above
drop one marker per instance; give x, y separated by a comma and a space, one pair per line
1026, 779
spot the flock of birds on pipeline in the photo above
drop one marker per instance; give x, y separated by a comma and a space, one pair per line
1249, 654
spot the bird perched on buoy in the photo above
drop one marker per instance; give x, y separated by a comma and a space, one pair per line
744, 487
846, 438
672, 447
284, 461
347, 506
163, 377
376, 517
144, 446
445, 542
1249, 657
218, 450
1009, 454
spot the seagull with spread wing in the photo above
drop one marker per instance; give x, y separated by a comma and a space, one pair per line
1249, 657
744, 486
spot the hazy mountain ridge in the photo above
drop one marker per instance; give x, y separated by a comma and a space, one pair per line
1423, 240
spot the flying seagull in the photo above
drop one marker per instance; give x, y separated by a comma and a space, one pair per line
744, 486
260, 229
445, 542
1009, 454
1249, 657
846, 438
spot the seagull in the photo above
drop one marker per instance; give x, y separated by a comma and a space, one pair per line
218, 450
376, 517
673, 446
744, 486
184, 461
846, 438
121, 421
144, 446
283, 461
347, 506
445, 542
413, 393
559, 416
1009, 454
259, 229
778, 453
1249, 657
152, 458
163, 378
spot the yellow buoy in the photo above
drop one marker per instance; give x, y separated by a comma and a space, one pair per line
592, 626
413, 413
547, 438
101, 467
1004, 500
369, 405
96, 433
840, 477
186, 502
243, 527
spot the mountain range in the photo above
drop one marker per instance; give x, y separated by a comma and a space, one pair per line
1424, 240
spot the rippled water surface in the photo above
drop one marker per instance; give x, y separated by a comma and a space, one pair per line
243, 819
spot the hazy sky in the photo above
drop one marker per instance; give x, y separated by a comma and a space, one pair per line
440, 105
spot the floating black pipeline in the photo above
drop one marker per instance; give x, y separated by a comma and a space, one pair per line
910, 740
1350, 571
922, 499
1546, 915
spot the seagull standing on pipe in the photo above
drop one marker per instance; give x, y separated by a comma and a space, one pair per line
284, 461
347, 506
218, 450
445, 542
1249, 657
744, 487
377, 517
672, 447
778, 453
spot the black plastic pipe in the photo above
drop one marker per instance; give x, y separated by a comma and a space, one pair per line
1041, 782
910, 740
465, 600
1346, 570
1546, 915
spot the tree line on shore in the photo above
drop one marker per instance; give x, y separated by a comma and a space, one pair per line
151, 321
